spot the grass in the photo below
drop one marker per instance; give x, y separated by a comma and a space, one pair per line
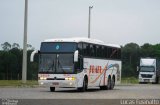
18, 83
34, 83
129, 80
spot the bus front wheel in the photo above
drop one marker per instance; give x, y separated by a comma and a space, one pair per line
85, 85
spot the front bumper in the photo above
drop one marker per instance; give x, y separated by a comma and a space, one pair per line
147, 80
58, 83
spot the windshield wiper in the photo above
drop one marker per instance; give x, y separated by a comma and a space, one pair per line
51, 67
59, 64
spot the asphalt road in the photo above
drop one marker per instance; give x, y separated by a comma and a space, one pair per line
138, 91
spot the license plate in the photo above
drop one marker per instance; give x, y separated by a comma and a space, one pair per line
55, 83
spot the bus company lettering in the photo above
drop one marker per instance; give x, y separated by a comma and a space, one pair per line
95, 69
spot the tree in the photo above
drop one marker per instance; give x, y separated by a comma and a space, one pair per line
32, 72
18, 65
6, 46
11, 62
130, 59
8, 64
2, 69
15, 45
29, 47
147, 50
156, 50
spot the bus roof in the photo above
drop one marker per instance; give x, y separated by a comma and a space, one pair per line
81, 39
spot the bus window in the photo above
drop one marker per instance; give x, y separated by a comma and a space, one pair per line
100, 51
119, 54
94, 50
84, 49
88, 50
97, 51
114, 53
91, 50
103, 52
109, 52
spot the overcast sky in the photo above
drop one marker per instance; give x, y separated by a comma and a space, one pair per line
112, 21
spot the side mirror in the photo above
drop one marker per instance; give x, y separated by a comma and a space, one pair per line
76, 56
32, 55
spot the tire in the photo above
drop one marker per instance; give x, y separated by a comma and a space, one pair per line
109, 84
103, 88
153, 82
157, 80
52, 89
85, 85
112, 83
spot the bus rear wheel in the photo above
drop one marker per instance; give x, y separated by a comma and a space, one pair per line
112, 83
109, 83
52, 89
103, 87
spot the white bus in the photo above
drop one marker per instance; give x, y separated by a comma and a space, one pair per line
79, 63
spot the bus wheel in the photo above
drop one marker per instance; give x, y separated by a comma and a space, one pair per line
85, 85
109, 83
141, 82
112, 83
157, 80
103, 87
52, 89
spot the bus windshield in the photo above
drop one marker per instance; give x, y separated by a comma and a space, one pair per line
147, 69
56, 63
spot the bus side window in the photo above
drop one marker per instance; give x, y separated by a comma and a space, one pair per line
113, 53
91, 51
100, 51
119, 54
97, 51
105, 52
88, 50
94, 50
84, 49
110, 53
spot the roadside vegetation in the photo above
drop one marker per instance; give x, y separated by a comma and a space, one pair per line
18, 83
11, 62
129, 80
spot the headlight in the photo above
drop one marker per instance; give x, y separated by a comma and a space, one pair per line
70, 78
41, 83
43, 78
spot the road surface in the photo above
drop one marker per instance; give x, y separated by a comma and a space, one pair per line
138, 91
